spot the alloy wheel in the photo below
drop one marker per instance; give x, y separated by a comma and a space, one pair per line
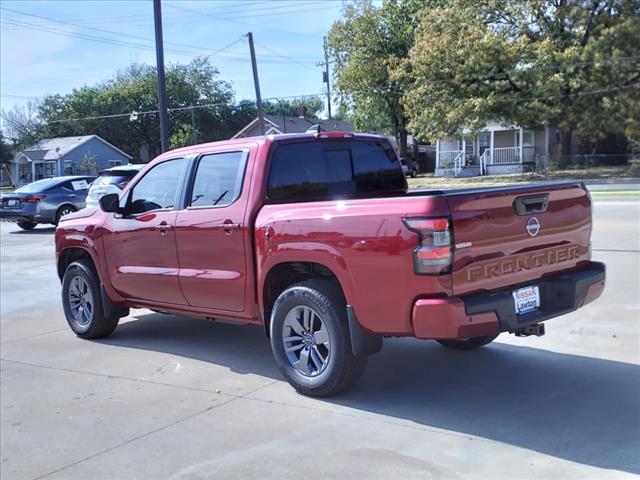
306, 341
81, 301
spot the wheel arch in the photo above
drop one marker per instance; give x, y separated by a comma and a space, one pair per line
59, 210
286, 273
70, 255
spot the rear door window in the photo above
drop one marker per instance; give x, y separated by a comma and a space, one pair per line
315, 169
218, 180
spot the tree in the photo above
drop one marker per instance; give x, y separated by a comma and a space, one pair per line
6, 150
570, 62
288, 107
22, 126
109, 104
87, 165
313, 106
367, 45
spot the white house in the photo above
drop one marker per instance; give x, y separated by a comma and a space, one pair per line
496, 150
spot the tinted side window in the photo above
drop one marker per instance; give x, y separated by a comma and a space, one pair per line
218, 179
158, 188
376, 167
320, 169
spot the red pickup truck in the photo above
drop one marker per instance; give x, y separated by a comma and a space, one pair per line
317, 238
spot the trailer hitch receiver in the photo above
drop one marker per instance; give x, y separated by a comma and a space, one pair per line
536, 329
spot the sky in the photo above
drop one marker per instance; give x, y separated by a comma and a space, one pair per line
54, 46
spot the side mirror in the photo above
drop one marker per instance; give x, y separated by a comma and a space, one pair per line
110, 203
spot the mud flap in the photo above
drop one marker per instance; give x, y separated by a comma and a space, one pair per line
111, 309
362, 342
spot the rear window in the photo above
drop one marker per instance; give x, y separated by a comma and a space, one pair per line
316, 169
39, 186
110, 179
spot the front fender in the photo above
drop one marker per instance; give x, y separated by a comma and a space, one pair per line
88, 239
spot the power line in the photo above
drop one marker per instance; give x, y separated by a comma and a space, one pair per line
84, 36
310, 95
96, 29
254, 25
235, 56
235, 9
215, 52
289, 59
10, 95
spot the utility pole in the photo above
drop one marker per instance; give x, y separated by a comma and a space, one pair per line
256, 82
325, 75
193, 126
162, 88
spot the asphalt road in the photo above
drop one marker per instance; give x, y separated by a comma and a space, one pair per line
171, 397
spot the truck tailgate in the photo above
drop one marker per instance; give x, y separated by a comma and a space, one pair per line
513, 235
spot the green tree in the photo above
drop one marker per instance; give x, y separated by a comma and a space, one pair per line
6, 150
22, 126
367, 45
134, 90
87, 165
291, 107
571, 62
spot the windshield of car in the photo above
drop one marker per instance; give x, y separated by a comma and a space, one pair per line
39, 186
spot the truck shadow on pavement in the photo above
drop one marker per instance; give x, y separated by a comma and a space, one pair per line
580, 409
35, 231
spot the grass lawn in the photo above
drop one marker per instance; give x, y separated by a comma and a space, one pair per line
605, 174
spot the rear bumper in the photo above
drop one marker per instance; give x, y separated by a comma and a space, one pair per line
16, 217
492, 312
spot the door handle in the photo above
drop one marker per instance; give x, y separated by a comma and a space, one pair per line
228, 225
164, 227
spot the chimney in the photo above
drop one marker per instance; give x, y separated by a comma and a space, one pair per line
302, 111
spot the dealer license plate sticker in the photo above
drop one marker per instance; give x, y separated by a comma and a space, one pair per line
11, 203
526, 299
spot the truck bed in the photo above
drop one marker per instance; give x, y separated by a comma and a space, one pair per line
367, 244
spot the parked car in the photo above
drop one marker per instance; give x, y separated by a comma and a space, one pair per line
409, 167
44, 201
316, 238
112, 180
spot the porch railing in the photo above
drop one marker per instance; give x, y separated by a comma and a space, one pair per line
485, 158
507, 155
458, 163
447, 159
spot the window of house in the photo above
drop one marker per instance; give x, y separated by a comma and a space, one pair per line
114, 163
218, 180
68, 167
158, 189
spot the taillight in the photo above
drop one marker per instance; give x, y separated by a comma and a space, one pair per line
324, 135
433, 256
32, 199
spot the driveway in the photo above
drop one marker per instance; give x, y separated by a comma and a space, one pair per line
174, 397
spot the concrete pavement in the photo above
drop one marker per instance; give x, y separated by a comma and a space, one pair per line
173, 397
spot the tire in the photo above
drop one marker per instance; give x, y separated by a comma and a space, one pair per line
414, 173
82, 302
27, 225
64, 210
469, 343
314, 307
